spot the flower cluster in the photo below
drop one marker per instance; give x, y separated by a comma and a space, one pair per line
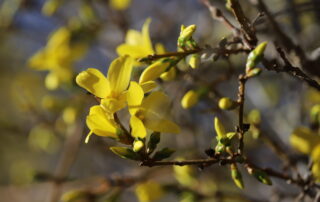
307, 141
148, 108
65, 46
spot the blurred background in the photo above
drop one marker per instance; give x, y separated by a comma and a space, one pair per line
42, 116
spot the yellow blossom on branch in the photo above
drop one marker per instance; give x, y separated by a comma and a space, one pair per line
58, 57
138, 44
148, 113
111, 89
100, 123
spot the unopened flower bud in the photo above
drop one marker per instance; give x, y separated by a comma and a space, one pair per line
137, 145
226, 103
169, 75
187, 32
190, 99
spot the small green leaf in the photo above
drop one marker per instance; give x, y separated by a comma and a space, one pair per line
153, 142
260, 175
163, 154
126, 153
236, 176
231, 135
221, 132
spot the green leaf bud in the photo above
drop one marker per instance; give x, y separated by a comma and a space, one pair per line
236, 176
255, 56
260, 175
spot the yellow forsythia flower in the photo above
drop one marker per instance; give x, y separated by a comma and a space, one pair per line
304, 140
149, 112
58, 57
100, 123
190, 99
111, 88
149, 191
120, 4
137, 44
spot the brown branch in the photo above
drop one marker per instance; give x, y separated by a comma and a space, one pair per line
247, 29
295, 71
218, 15
310, 66
199, 162
170, 54
223, 161
67, 159
241, 128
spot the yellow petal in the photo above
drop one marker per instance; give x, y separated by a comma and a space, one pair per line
146, 37
169, 75
160, 49
138, 129
94, 81
112, 105
156, 102
153, 71
99, 123
148, 86
59, 37
157, 123
135, 51
120, 4
316, 171
38, 61
149, 191
119, 74
304, 140
134, 37
135, 94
